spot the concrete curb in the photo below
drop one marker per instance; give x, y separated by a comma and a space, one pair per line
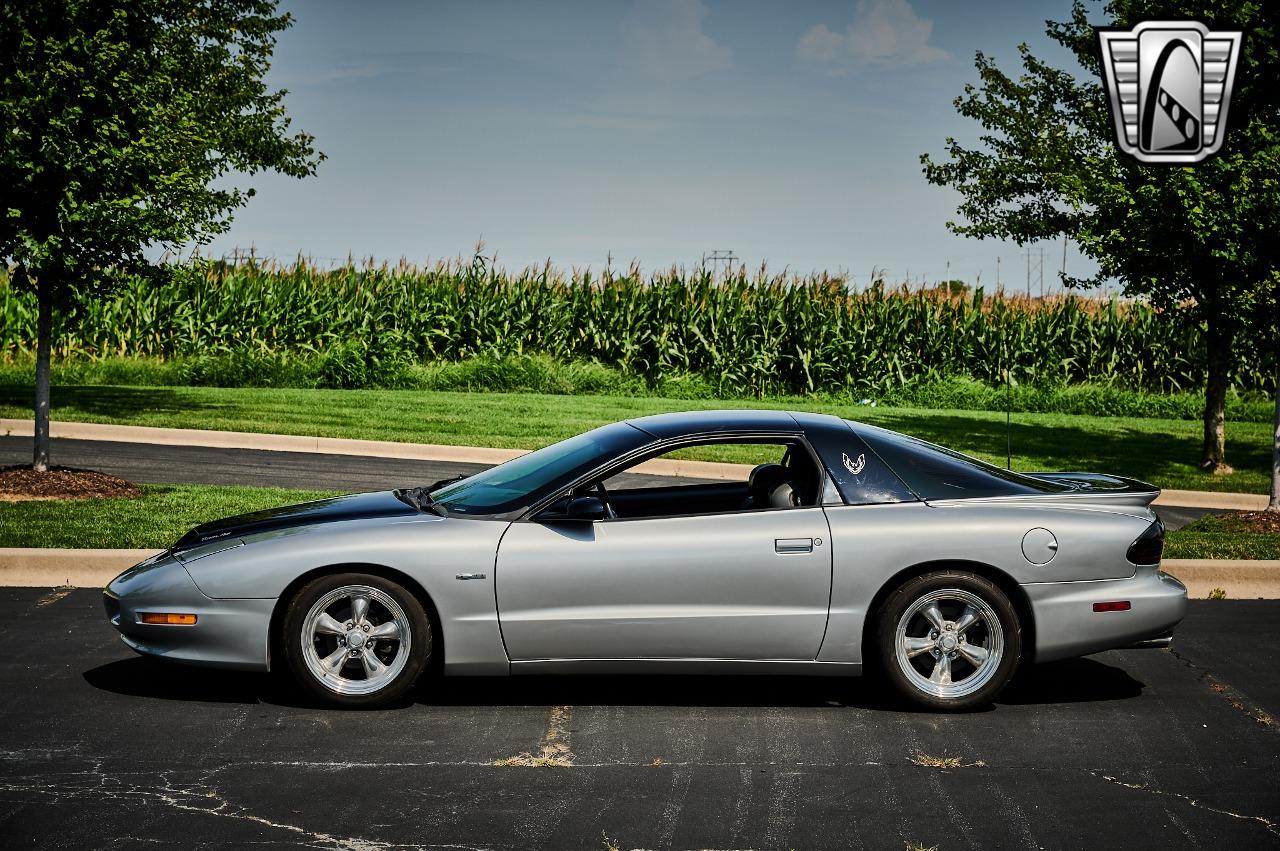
341, 446
471, 454
51, 567
1209, 499
1241, 580
32, 567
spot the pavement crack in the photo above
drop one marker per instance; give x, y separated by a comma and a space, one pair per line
1271, 826
553, 748
196, 797
1232, 695
54, 596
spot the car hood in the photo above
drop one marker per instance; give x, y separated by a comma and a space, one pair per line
359, 506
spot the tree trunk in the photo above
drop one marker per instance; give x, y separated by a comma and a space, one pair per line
1274, 504
44, 330
1218, 344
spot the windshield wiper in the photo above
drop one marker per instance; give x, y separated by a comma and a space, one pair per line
436, 485
420, 498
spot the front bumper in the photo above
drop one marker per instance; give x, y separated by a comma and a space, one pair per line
1066, 625
227, 633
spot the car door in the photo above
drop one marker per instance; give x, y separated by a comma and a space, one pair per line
747, 585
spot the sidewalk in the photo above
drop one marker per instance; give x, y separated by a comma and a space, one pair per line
472, 454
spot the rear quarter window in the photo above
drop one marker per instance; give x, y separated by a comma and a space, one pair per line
934, 472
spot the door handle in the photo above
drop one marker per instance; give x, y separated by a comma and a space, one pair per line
785, 546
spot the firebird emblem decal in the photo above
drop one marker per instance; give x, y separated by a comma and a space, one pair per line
854, 467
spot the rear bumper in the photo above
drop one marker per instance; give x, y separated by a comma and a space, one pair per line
227, 633
1066, 625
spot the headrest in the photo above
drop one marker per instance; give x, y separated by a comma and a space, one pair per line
770, 486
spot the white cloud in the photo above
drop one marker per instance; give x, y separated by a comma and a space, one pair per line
883, 32
664, 39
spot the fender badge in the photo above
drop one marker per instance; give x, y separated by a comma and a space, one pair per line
854, 467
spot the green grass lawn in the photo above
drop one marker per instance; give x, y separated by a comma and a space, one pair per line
164, 512
154, 520
1221, 536
1163, 452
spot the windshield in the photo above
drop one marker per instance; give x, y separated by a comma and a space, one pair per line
934, 472
527, 479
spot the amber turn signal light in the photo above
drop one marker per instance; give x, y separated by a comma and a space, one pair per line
169, 618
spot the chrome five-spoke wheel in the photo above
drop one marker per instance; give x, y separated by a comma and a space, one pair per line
949, 643
356, 639
949, 640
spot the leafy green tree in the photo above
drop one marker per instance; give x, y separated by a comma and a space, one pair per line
1200, 238
118, 121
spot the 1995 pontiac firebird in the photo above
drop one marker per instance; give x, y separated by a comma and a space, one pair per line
852, 547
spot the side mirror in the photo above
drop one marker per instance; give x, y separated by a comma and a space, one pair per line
585, 508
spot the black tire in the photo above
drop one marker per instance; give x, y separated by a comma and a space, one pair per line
985, 680
301, 665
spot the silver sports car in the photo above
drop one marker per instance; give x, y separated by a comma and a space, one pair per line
849, 548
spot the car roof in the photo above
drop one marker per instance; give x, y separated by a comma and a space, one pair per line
711, 422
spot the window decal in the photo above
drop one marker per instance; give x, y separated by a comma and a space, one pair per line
854, 467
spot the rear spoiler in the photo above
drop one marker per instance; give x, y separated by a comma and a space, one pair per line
1098, 487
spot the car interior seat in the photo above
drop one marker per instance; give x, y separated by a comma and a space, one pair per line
772, 486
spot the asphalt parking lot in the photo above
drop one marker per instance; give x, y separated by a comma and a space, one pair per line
1150, 749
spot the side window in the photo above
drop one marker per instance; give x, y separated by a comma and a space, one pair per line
938, 473
764, 476
857, 472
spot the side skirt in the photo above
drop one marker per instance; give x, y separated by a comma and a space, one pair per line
686, 666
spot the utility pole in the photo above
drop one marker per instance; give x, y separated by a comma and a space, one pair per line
719, 256
997, 273
1039, 266
1064, 260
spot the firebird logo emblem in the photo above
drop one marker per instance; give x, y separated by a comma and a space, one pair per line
1170, 85
854, 467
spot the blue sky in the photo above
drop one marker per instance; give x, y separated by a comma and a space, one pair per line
656, 130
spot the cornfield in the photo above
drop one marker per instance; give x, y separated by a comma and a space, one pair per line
757, 334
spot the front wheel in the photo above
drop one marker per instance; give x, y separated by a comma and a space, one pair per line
949, 640
356, 640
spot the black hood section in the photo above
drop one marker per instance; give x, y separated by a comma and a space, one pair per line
360, 506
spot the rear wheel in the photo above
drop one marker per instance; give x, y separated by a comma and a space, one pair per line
356, 639
949, 640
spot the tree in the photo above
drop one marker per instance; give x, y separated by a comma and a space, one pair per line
117, 119
1267, 321
1199, 238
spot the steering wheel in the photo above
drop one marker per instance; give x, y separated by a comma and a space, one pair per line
609, 513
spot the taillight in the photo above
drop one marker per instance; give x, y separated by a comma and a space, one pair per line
1149, 546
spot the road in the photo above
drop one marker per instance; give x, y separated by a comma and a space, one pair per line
161, 464
1133, 749
199, 465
